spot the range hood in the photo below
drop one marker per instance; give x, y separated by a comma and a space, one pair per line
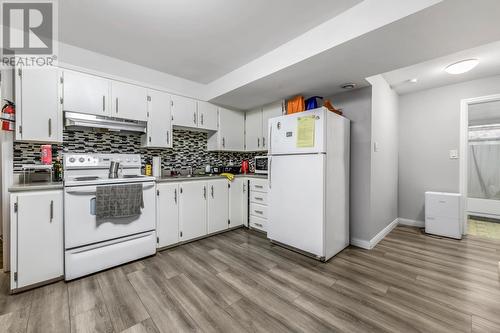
78, 120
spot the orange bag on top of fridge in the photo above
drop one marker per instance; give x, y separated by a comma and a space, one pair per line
295, 105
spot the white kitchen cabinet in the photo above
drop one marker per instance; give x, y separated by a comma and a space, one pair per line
230, 136
159, 127
36, 237
218, 205
167, 221
207, 116
238, 202
258, 204
269, 111
253, 130
192, 210
39, 105
184, 111
86, 93
128, 101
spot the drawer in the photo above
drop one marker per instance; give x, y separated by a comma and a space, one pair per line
258, 223
442, 205
258, 210
258, 197
259, 185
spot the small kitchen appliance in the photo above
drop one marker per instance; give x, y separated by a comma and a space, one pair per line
261, 164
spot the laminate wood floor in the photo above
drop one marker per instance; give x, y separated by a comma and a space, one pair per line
239, 282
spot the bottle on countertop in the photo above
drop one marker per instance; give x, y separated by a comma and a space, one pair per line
148, 170
57, 169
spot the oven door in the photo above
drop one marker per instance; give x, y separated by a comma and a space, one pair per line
82, 228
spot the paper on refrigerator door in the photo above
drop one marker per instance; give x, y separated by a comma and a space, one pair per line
305, 131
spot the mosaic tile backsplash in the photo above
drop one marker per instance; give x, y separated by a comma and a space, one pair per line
189, 149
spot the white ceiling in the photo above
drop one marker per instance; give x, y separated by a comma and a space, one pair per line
431, 73
436, 31
199, 40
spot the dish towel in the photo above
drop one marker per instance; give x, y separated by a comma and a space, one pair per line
228, 175
117, 201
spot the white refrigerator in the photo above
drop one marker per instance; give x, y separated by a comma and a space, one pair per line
308, 203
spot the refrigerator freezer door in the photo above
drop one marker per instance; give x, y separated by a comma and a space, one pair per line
296, 201
287, 133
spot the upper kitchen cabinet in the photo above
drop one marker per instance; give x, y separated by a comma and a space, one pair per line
85, 93
269, 111
231, 133
128, 101
159, 113
253, 130
207, 116
184, 112
39, 104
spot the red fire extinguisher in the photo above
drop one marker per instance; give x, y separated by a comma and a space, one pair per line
8, 116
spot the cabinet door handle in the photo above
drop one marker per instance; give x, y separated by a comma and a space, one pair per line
103, 103
204, 192
116, 105
194, 118
263, 142
202, 118
175, 195
258, 142
223, 142
168, 137
212, 190
51, 210
50, 127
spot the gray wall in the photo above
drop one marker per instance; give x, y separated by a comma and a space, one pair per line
429, 123
384, 161
356, 106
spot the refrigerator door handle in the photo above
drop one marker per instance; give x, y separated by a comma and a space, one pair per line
270, 170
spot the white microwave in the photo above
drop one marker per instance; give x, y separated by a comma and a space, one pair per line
261, 164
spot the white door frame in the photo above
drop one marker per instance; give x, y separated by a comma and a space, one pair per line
464, 144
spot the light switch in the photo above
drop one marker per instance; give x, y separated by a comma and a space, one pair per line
453, 154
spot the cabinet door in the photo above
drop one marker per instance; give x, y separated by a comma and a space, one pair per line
159, 129
184, 111
231, 130
192, 210
253, 130
39, 237
128, 101
269, 111
85, 93
238, 203
218, 205
38, 100
207, 116
167, 223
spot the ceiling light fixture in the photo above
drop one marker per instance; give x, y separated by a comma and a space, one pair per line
414, 80
461, 66
348, 86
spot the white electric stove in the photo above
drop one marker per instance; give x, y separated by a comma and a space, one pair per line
92, 245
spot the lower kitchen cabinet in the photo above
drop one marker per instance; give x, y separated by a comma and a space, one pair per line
167, 222
192, 210
238, 202
36, 237
218, 205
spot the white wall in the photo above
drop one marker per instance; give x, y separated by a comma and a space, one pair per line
384, 161
429, 123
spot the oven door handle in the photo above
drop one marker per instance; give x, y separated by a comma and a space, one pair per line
92, 190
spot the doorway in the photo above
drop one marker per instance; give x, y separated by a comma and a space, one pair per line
480, 166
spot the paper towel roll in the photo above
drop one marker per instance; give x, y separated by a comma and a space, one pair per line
156, 166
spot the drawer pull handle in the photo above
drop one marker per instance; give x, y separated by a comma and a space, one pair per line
259, 186
257, 198
258, 225
259, 212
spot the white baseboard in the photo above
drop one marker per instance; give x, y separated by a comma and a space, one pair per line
378, 237
411, 223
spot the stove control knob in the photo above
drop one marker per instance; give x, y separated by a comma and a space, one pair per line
81, 160
71, 159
